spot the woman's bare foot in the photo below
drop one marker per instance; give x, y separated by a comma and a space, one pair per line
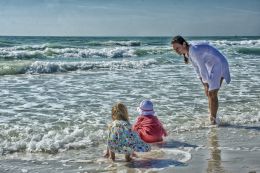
212, 120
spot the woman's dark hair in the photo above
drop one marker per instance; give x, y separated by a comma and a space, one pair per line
179, 39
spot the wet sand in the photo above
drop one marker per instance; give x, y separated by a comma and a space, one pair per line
230, 149
225, 149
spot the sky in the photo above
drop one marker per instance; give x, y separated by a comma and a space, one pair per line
130, 17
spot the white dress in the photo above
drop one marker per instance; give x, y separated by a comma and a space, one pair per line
209, 64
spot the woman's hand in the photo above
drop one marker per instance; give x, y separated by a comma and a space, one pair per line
206, 89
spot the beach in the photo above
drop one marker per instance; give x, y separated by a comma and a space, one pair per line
224, 149
57, 94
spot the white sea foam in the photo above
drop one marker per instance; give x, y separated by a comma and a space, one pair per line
229, 42
51, 67
121, 43
45, 52
117, 52
51, 142
237, 43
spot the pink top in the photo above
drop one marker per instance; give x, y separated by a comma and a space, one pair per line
149, 128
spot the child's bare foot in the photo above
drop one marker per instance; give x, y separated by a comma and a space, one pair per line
106, 155
128, 158
112, 155
134, 155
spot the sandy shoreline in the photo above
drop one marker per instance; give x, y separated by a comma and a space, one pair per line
230, 149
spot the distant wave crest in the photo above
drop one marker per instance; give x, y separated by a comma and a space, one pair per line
115, 43
45, 52
38, 67
249, 51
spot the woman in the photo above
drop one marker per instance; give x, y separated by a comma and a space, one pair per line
210, 65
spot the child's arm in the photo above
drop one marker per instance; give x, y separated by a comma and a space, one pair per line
164, 131
137, 124
109, 125
106, 152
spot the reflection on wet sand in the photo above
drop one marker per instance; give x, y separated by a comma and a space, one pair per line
214, 162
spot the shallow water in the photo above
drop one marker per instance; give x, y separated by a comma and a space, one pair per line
57, 93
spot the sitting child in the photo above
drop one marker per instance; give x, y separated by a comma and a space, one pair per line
148, 125
121, 138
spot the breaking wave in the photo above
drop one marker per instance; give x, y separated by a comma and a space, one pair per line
45, 52
249, 51
38, 67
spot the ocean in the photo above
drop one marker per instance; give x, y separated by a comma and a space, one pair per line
57, 92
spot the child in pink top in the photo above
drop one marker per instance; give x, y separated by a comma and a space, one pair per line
147, 125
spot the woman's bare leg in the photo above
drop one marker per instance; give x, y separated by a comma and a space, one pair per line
213, 105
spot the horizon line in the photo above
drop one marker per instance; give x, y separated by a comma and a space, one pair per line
129, 36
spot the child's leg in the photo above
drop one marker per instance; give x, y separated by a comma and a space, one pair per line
112, 155
128, 158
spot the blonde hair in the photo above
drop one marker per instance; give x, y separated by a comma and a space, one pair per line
119, 112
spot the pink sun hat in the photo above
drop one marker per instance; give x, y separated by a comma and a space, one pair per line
146, 108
